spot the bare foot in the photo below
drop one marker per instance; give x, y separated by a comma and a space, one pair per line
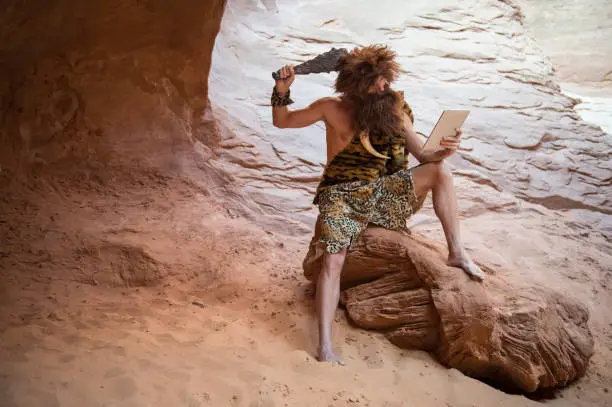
326, 355
463, 261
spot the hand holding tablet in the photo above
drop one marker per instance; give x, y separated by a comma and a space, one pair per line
449, 121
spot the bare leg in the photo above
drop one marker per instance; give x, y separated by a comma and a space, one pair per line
328, 295
438, 178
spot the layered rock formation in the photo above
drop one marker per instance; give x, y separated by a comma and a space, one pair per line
574, 34
505, 330
523, 133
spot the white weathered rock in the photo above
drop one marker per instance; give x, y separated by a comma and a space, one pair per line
523, 133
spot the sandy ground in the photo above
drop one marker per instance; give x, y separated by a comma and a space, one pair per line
228, 319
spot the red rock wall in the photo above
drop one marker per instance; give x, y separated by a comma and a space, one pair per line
99, 84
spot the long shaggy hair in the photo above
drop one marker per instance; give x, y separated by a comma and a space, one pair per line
379, 113
358, 71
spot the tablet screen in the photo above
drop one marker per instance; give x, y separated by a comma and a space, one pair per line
446, 125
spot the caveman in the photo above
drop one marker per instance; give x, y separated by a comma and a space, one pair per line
369, 134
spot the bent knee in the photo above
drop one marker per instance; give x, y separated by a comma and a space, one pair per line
333, 263
427, 176
440, 169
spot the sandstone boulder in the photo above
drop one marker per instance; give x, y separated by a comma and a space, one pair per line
504, 331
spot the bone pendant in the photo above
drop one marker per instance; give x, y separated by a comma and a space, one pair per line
365, 142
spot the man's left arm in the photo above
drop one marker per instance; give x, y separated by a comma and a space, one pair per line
415, 145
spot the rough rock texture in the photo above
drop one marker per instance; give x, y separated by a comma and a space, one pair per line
88, 86
103, 106
523, 134
506, 331
567, 30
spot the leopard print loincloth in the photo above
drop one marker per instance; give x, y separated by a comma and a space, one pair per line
347, 208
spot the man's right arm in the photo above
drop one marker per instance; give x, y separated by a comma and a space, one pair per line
282, 117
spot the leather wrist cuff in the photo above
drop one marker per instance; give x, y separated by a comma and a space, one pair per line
280, 100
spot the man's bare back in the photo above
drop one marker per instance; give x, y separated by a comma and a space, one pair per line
338, 127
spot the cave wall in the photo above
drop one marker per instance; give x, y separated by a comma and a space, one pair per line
91, 86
